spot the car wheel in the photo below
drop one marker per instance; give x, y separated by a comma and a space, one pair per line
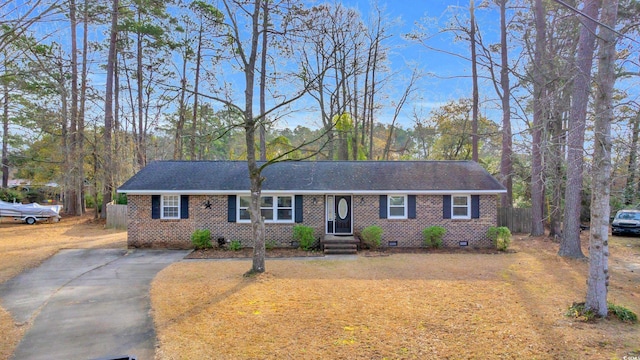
30, 220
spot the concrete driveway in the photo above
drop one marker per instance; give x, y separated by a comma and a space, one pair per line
87, 304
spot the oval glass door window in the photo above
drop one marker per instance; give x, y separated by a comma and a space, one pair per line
343, 208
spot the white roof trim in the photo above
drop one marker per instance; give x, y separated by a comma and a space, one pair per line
316, 192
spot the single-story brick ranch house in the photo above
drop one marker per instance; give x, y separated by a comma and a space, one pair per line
169, 200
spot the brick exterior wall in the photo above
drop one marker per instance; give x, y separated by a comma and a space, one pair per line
145, 232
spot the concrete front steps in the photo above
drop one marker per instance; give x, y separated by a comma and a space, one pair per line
340, 245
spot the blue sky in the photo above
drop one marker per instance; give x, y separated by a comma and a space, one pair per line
432, 91
446, 77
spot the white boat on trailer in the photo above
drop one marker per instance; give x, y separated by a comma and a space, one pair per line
29, 213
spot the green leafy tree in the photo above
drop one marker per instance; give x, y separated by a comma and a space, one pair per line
452, 124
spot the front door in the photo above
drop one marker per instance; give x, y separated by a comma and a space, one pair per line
339, 214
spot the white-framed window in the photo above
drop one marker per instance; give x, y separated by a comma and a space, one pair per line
277, 208
461, 206
170, 207
397, 207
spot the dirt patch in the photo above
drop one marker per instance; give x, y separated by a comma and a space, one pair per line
24, 247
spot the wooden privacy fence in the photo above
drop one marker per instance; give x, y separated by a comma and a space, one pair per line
116, 216
518, 220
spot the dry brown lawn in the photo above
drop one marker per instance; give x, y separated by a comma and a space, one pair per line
459, 305
26, 246
402, 306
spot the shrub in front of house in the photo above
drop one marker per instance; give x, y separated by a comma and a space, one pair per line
304, 235
235, 245
270, 244
500, 236
432, 236
371, 236
201, 239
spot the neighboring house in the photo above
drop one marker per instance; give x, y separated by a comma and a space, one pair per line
169, 200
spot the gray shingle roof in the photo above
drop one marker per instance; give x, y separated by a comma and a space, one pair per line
314, 176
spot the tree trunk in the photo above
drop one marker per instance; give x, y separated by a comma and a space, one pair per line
365, 101
474, 78
74, 194
598, 280
354, 105
629, 190
372, 94
570, 242
182, 110
403, 99
116, 125
196, 88
255, 176
94, 154
347, 131
506, 164
555, 168
141, 148
134, 121
108, 111
82, 106
263, 80
5, 136
537, 183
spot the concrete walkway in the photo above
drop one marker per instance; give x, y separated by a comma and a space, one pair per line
87, 304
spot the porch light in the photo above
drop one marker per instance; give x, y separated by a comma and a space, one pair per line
315, 201
362, 200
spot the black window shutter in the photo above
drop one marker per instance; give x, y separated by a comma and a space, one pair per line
475, 206
446, 206
155, 206
298, 205
383, 206
184, 206
412, 206
231, 208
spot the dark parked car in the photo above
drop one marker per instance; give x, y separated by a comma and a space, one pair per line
626, 222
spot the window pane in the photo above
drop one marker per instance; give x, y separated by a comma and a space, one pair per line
396, 211
460, 211
171, 200
396, 200
266, 201
267, 214
330, 209
284, 214
244, 214
284, 201
460, 200
245, 201
170, 206
170, 212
